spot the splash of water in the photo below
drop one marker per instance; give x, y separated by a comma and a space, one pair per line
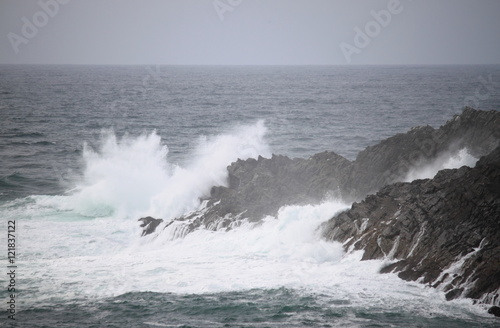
447, 161
185, 185
131, 177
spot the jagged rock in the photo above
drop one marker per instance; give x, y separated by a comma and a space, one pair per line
443, 231
391, 159
149, 224
495, 310
257, 188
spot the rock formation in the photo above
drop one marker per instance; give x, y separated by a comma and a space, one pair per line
149, 224
392, 158
257, 188
495, 310
444, 231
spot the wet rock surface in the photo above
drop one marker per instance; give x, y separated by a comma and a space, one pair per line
149, 224
259, 187
391, 159
495, 310
444, 231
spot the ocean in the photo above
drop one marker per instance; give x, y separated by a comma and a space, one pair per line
85, 151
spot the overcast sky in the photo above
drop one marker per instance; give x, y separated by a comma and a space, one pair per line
249, 32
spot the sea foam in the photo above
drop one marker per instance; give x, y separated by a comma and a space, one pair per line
131, 177
104, 255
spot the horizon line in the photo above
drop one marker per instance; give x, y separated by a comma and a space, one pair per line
240, 65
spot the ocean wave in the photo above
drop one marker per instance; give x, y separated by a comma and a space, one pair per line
132, 176
25, 135
12, 180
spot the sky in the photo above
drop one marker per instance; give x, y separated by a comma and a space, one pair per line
250, 32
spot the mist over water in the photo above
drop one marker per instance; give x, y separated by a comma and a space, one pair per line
77, 175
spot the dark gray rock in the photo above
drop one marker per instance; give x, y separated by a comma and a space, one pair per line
391, 159
258, 188
495, 310
149, 224
444, 231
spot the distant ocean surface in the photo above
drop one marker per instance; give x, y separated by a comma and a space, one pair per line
87, 150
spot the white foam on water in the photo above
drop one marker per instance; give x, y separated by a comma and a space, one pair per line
92, 259
87, 245
207, 168
447, 161
120, 177
102, 257
131, 177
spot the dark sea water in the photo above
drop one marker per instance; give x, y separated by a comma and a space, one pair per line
87, 150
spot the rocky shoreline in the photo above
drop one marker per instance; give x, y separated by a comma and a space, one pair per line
443, 231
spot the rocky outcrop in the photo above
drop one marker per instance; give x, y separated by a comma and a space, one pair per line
259, 187
391, 159
495, 310
444, 231
149, 224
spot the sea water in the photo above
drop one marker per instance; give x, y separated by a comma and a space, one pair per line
87, 150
